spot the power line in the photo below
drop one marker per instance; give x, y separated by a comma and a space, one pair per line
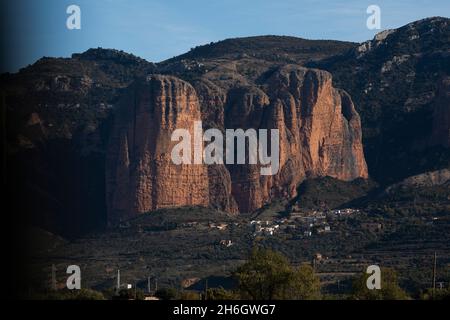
118, 280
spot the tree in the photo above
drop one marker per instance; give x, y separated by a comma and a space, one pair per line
82, 294
167, 294
188, 295
267, 275
305, 285
390, 290
88, 294
221, 294
438, 294
264, 276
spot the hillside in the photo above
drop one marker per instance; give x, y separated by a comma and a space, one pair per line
57, 113
399, 81
270, 48
60, 112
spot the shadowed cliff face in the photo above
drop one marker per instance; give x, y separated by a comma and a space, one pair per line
320, 135
441, 115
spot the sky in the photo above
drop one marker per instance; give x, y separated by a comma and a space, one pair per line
160, 29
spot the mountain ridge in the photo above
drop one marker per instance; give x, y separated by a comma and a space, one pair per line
69, 103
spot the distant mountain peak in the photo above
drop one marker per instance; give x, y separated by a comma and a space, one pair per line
424, 31
432, 20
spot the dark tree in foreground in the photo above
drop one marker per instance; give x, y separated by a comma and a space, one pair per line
267, 275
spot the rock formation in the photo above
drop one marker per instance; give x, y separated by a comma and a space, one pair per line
62, 147
140, 174
320, 135
426, 179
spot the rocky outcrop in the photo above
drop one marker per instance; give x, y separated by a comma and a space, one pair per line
320, 135
140, 174
329, 126
427, 179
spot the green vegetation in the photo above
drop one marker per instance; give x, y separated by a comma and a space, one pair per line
329, 193
83, 294
437, 294
221, 294
125, 294
167, 294
390, 289
271, 48
267, 275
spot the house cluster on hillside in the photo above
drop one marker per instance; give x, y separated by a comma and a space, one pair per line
342, 213
265, 228
309, 223
219, 226
305, 223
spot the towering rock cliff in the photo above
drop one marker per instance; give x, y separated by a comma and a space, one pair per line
398, 83
140, 174
320, 135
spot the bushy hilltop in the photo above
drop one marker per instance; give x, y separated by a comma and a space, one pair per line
271, 48
69, 94
248, 60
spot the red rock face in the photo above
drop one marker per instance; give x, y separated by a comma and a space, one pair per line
140, 173
320, 135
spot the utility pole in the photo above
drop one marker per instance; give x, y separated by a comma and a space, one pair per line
434, 276
118, 280
156, 284
149, 285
